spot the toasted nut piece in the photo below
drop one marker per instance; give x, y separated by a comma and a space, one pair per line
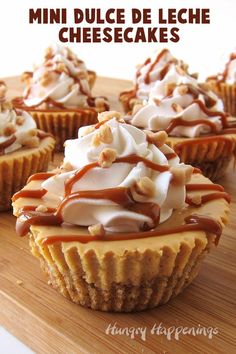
41, 208
3, 89
196, 199
96, 230
146, 187
20, 120
136, 108
48, 53
176, 107
169, 88
99, 102
96, 141
6, 105
9, 129
181, 174
182, 89
26, 76
105, 134
204, 86
180, 70
61, 67
107, 157
32, 132
89, 129
31, 142
158, 138
134, 101
157, 101
19, 282
46, 79
143, 189
109, 115
195, 75
66, 167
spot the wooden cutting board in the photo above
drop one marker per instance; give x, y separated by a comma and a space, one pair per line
48, 323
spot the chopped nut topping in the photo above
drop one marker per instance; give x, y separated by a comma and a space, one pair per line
195, 75
31, 142
204, 86
158, 138
46, 79
169, 88
66, 167
104, 135
196, 199
19, 282
107, 157
5, 106
26, 76
9, 129
99, 102
157, 101
3, 90
96, 230
20, 120
136, 108
61, 67
134, 101
109, 115
182, 89
143, 189
89, 129
176, 107
180, 70
41, 208
48, 53
181, 174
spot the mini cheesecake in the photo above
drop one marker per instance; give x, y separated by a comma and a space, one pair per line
134, 239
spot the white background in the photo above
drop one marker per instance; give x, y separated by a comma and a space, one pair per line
204, 47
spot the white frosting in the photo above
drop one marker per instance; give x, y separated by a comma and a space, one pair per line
10, 116
62, 88
127, 140
158, 116
144, 89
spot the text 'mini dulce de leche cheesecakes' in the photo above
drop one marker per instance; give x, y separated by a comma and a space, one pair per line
199, 130
24, 150
58, 95
122, 225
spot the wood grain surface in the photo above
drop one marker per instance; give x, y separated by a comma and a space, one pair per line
48, 323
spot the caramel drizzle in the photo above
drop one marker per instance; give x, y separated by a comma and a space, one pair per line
132, 159
152, 66
29, 193
41, 176
4, 145
192, 223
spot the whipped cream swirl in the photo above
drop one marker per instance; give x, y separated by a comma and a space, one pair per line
179, 96
125, 140
17, 129
58, 81
151, 72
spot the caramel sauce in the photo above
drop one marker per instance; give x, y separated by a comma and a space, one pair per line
192, 223
158, 58
204, 186
207, 198
41, 176
181, 122
7, 143
27, 219
170, 155
29, 193
132, 159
